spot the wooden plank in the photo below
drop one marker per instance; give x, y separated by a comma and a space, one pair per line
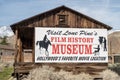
18, 54
20, 51
33, 51
93, 69
16, 39
73, 21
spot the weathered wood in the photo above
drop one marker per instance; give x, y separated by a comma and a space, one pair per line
49, 19
33, 51
25, 38
90, 68
21, 52
16, 39
18, 48
19, 55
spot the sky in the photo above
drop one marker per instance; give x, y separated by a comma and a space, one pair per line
106, 11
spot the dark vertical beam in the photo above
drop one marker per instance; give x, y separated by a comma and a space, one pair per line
33, 47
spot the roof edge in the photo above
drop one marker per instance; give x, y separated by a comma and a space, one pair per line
63, 6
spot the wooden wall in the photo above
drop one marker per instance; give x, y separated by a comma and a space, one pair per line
50, 19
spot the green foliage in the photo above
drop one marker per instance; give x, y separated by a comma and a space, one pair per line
6, 73
115, 68
4, 41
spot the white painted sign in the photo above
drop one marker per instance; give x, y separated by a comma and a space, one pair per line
78, 45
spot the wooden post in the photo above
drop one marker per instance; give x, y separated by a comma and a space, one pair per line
18, 57
21, 52
33, 49
16, 45
19, 48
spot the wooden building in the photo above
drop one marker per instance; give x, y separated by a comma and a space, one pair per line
7, 53
113, 46
59, 17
